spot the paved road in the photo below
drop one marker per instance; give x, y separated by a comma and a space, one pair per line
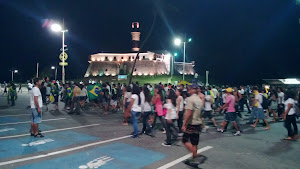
97, 140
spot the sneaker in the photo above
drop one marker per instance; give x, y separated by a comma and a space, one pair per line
220, 130
166, 144
206, 127
203, 130
238, 133
39, 135
164, 132
133, 136
180, 134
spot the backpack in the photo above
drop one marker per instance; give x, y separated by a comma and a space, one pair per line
297, 109
264, 103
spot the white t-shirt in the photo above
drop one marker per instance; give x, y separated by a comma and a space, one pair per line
224, 97
30, 85
83, 92
136, 107
171, 111
48, 90
181, 106
281, 95
242, 91
287, 102
36, 92
207, 105
215, 91
259, 97
128, 96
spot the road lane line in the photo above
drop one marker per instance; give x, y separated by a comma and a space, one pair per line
8, 115
172, 163
50, 131
30, 121
61, 151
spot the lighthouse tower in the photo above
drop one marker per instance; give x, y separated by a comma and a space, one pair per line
135, 34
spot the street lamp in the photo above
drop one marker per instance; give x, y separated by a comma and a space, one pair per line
177, 42
176, 54
12, 74
54, 67
57, 28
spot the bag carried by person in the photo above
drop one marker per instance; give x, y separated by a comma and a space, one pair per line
297, 109
51, 98
265, 102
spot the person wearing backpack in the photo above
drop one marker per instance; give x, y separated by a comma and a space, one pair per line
289, 116
258, 108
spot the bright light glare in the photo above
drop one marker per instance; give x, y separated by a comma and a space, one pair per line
175, 54
52, 67
177, 41
16, 71
56, 27
190, 39
290, 81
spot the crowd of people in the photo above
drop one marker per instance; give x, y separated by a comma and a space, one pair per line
181, 109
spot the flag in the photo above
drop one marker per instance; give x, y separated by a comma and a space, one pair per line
94, 91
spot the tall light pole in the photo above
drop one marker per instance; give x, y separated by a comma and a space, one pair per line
58, 28
12, 74
54, 67
178, 42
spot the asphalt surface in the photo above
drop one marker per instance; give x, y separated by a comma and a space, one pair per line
72, 141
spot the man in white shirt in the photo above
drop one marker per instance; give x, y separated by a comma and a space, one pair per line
36, 104
280, 101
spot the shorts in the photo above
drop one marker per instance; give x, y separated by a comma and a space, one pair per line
36, 117
207, 114
104, 102
230, 116
260, 114
192, 134
127, 104
113, 102
82, 98
55, 98
95, 101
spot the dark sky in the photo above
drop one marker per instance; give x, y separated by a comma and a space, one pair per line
238, 41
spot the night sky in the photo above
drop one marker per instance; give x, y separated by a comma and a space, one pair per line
238, 41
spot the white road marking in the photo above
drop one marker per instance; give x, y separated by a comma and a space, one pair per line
10, 109
39, 142
96, 163
6, 129
61, 151
8, 115
30, 121
50, 131
172, 163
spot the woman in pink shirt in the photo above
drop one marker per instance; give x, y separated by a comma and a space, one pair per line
230, 115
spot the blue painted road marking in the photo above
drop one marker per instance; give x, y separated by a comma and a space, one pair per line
29, 145
21, 129
8, 120
113, 156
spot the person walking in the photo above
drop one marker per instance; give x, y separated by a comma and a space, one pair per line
170, 118
179, 108
157, 100
36, 104
192, 123
274, 105
127, 99
147, 109
208, 110
75, 105
83, 95
230, 114
258, 109
136, 109
289, 116
55, 93
20, 88
12, 94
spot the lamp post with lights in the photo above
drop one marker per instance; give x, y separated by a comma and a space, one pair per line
58, 28
12, 74
178, 42
54, 68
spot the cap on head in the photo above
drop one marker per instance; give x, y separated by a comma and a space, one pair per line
229, 90
194, 86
